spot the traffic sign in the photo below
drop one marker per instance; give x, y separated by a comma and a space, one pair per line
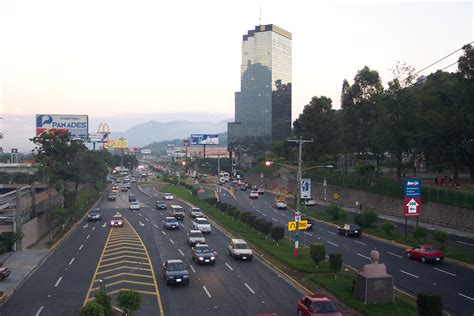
412, 192
303, 225
291, 226
305, 188
412, 188
335, 196
297, 218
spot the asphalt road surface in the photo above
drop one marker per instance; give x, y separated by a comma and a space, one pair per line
453, 282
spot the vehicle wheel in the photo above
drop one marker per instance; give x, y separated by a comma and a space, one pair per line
230, 253
299, 313
423, 259
408, 255
347, 234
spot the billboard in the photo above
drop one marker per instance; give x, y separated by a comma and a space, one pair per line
204, 139
116, 144
305, 188
146, 151
412, 193
77, 125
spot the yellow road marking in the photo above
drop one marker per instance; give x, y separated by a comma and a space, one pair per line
123, 241
126, 273
124, 247
123, 235
123, 281
123, 256
123, 261
123, 267
124, 251
124, 244
125, 289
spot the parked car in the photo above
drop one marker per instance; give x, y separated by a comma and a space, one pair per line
195, 212
281, 205
350, 230
239, 249
201, 223
177, 211
308, 202
425, 253
168, 196
317, 305
253, 194
117, 220
175, 271
112, 197
132, 197
171, 223
94, 215
4, 273
134, 206
161, 205
195, 237
202, 253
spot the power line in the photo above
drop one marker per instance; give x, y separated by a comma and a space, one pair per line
450, 54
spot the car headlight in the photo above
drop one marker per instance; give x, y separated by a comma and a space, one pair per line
201, 258
185, 276
356, 231
212, 258
170, 276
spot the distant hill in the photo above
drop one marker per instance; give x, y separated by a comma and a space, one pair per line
147, 133
160, 147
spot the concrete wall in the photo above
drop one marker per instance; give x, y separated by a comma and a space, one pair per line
36, 228
433, 213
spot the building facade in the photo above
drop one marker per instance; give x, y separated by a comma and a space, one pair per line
263, 104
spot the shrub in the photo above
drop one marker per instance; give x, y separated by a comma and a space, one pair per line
244, 216
366, 219
104, 300
266, 227
335, 263
258, 224
251, 219
277, 233
336, 212
129, 300
317, 252
212, 201
441, 237
92, 309
420, 233
388, 228
365, 170
236, 214
429, 304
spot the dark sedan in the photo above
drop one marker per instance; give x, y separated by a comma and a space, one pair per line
350, 230
175, 272
203, 254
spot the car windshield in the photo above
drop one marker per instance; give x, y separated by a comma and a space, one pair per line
202, 221
175, 266
171, 220
324, 307
117, 217
202, 249
195, 234
241, 246
94, 211
428, 249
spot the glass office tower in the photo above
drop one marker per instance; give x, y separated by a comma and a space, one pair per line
263, 105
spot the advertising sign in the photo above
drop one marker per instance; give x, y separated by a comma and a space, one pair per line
77, 125
305, 188
14, 150
204, 139
146, 151
116, 144
412, 192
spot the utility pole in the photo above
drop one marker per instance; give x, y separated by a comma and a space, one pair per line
218, 173
300, 142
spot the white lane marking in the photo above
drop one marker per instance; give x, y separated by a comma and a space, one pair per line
39, 311
171, 240
332, 233
93, 228
468, 297
465, 243
207, 292
163, 232
192, 268
275, 220
58, 281
412, 275
333, 244
360, 242
264, 214
258, 211
81, 246
72, 260
140, 214
394, 254
181, 225
181, 252
141, 224
308, 234
146, 218
88, 236
228, 266
445, 271
360, 255
282, 214
105, 224
85, 226
156, 226
250, 289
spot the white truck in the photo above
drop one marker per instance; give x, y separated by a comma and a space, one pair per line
200, 223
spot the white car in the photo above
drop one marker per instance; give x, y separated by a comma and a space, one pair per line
201, 223
195, 212
168, 196
134, 206
253, 194
281, 205
239, 249
308, 202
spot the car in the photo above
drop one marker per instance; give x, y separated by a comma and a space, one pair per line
201, 223
124, 189
115, 188
127, 185
243, 187
425, 253
317, 305
239, 249
195, 237
132, 197
308, 202
168, 196
160, 205
4, 273
177, 212
117, 220
133, 180
310, 222
94, 215
202, 253
261, 190
195, 212
281, 205
253, 194
175, 271
350, 230
112, 197
171, 223
134, 206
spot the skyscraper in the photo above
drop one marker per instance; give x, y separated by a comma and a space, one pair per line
263, 104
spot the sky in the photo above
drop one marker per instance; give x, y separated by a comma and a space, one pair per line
112, 58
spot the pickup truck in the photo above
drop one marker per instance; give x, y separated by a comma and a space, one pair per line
202, 224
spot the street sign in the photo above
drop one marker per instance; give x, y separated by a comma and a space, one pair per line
305, 188
291, 226
303, 225
412, 192
335, 196
297, 218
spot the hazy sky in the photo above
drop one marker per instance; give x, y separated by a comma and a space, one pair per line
109, 57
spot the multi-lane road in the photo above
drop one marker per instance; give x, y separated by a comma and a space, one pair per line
96, 256
454, 282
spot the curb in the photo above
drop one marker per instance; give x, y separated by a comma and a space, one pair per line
141, 190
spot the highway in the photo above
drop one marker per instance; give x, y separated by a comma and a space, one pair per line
454, 282
131, 258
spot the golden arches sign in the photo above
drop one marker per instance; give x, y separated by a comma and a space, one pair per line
103, 128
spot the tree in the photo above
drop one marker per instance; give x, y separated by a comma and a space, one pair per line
335, 263
129, 300
441, 237
366, 219
277, 233
317, 252
92, 309
388, 228
60, 215
104, 300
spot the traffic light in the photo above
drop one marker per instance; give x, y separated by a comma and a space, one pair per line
268, 163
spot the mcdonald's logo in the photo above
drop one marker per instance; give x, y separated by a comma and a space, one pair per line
103, 128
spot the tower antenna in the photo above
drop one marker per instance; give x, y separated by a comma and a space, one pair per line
260, 18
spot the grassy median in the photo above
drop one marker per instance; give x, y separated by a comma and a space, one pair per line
304, 267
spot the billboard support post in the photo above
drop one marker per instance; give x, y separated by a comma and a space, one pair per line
406, 227
204, 146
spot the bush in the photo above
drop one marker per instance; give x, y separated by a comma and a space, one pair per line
129, 300
366, 219
104, 300
244, 216
258, 223
212, 201
251, 219
388, 228
420, 233
336, 212
92, 309
365, 170
236, 214
277, 233
441, 237
266, 227
429, 304
317, 252
335, 263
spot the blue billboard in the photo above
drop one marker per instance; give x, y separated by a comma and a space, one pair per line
412, 188
204, 139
